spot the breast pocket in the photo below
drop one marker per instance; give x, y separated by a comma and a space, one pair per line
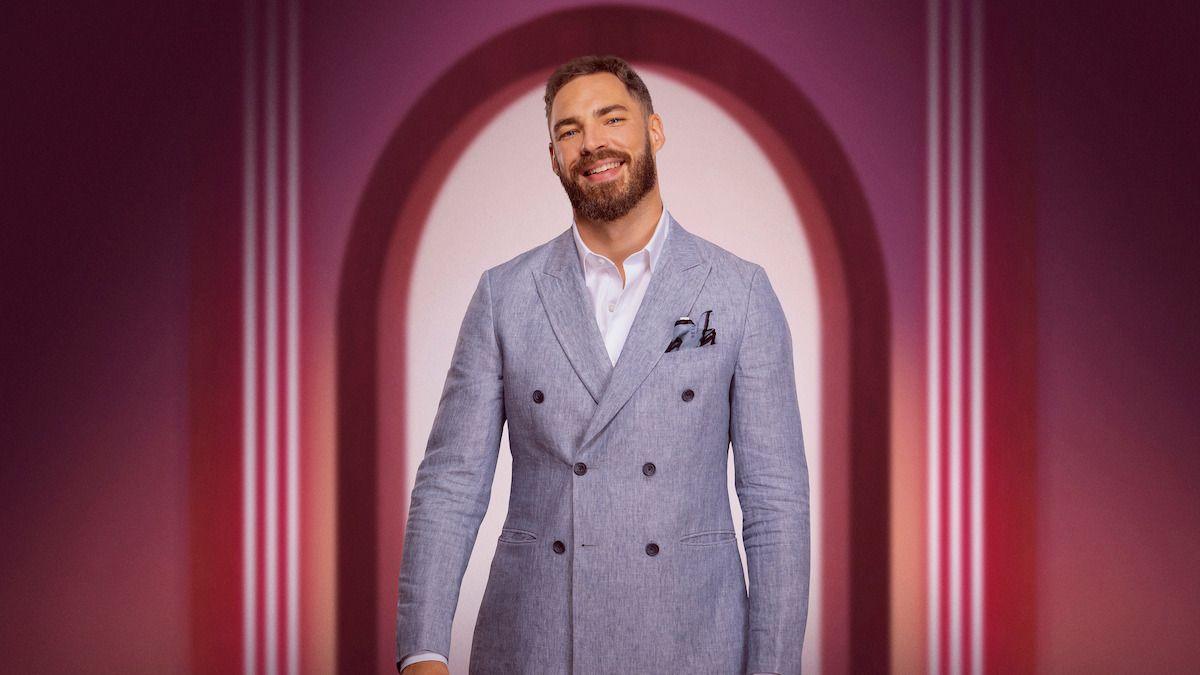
691, 357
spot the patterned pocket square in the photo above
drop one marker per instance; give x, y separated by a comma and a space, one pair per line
685, 327
708, 336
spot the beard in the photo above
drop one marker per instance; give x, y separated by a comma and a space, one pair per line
605, 202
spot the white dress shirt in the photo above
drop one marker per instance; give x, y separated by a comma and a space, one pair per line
614, 304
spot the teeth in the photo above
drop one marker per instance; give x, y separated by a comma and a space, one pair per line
603, 167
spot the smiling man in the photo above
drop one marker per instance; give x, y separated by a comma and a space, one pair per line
627, 355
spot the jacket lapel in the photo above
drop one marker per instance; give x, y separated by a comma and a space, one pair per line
674, 285
569, 308
671, 293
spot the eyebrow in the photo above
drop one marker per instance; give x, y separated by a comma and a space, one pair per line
600, 112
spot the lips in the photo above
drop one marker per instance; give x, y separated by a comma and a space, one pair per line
613, 168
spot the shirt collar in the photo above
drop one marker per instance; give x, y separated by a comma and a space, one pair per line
653, 248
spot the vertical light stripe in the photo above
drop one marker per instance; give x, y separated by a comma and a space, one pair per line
955, 469
274, 440
293, 338
963, 450
271, 339
933, 353
249, 344
977, 298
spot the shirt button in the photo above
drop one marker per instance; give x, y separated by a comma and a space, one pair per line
688, 394
559, 547
538, 396
612, 306
648, 469
580, 468
652, 549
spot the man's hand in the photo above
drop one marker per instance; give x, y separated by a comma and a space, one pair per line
433, 667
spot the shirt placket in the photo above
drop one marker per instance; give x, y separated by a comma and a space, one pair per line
610, 296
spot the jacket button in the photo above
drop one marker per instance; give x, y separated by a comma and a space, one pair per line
559, 547
688, 394
648, 469
538, 396
651, 549
580, 468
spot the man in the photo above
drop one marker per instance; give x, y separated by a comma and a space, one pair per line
623, 387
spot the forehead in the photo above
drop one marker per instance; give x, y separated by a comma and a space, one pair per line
586, 93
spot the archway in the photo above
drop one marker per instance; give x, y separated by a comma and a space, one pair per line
838, 223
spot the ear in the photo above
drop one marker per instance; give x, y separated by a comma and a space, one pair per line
553, 162
658, 137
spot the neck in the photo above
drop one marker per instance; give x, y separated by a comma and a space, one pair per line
617, 239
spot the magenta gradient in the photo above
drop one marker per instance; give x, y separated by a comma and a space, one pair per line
120, 116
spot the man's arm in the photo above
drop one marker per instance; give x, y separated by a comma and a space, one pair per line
453, 484
771, 479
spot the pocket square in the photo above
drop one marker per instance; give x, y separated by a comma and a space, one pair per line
685, 327
708, 336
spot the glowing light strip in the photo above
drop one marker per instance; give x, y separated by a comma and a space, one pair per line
269, 436
271, 260
270, 279
293, 338
933, 354
976, 338
956, 389
249, 344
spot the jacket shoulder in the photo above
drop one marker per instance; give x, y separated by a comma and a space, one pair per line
516, 269
734, 270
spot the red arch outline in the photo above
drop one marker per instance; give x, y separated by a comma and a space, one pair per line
400, 191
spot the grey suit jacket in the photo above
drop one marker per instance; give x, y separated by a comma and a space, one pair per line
618, 551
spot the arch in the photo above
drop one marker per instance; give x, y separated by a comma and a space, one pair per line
837, 221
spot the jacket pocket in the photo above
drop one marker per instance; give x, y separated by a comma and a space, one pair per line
709, 537
690, 354
511, 535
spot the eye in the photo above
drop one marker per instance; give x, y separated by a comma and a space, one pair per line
565, 133
616, 119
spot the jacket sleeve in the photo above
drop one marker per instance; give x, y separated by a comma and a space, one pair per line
771, 479
453, 484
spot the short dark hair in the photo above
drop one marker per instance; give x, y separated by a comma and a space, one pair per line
588, 65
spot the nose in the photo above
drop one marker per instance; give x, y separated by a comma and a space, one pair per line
593, 141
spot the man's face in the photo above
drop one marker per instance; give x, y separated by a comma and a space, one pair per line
595, 122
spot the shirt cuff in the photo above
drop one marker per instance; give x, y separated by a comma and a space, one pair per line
421, 656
